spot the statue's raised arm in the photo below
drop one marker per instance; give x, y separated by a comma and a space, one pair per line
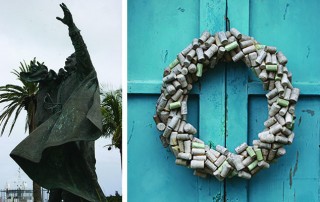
84, 63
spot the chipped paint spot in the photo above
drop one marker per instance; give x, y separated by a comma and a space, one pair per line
308, 53
296, 164
217, 197
285, 11
131, 133
290, 176
165, 57
309, 111
181, 9
299, 121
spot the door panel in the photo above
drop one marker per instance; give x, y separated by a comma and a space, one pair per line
228, 105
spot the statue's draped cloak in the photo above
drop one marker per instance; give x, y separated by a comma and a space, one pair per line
59, 153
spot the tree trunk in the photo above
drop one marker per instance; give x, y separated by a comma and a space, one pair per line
31, 124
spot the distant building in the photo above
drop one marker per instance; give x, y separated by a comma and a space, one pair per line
16, 190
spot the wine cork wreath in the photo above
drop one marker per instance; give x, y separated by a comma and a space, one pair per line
171, 109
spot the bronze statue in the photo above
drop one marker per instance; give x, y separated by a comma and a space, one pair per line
59, 153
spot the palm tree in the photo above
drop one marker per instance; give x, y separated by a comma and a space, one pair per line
18, 98
111, 108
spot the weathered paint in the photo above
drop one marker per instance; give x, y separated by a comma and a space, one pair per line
230, 99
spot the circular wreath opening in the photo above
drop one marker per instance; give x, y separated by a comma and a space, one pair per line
203, 54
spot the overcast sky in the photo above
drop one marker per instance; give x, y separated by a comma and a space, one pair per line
29, 29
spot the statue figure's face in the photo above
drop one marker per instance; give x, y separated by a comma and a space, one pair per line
70, 63
38, 72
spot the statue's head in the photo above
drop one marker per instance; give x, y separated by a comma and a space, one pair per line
70, 64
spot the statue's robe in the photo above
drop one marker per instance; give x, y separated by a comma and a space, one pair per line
59, 153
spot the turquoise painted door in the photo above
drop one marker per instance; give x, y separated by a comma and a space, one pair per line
228, 106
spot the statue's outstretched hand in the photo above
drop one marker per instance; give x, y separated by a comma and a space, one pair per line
67, 19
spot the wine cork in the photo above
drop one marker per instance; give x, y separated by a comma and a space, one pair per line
241, 148
252, 165
270, 49
281, 58
225, 170
279, 87
280, 119
169, 78
281, 139
249, 49
199, 52
209, 42
263, 164
294, 95
235, 33
175, 105
274, 59
186, 62
292, 108
284, 80
181, 162
183, 136
272, 154
265, 136
275, 128
237, 161
269, 122
271, 76
261, 57
195, 139
217, 175
271, 84
187, 146
221, 52
198, 145
231, 39
231, 46
205, 35
186, 50
195, 43
199, 158
238, 56
199, 70
251, 152
288, 118
188, 128
217, 40
177, 95
161, 126
173, 122
222, 150
181, 146
192, 68
173, 139
220, 160
264, 145
280, 152
271, 94
244, 175
259, 154
245, 44
196, 151
271, 68
185, 156
253, 56
282, 102
268, 59
280, 70
263, 75
182, 80
257, 70
274, 109
244, 154
164, 115
210, 165
290, 138
167, 132
173, 63
283, 111
191, 54
211, 51
211, 156
215, 153
181, 59
247, 161
246, 60
223, 38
